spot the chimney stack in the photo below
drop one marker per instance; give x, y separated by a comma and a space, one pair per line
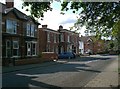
10, 3
44, 26
60, 27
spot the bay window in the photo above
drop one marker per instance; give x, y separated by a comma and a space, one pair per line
32, 30
28, 29
28, 49
33, 49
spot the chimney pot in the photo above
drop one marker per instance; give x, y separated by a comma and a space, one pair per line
44, 26
60, 27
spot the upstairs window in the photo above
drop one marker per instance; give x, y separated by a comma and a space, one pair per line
62, 37
68, 38
11, 26
28, 29
32, 30
55, 37
48, 36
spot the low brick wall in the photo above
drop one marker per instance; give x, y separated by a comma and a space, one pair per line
49, 56
46, 56
28, 61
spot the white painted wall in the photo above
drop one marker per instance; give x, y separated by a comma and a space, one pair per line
81, 47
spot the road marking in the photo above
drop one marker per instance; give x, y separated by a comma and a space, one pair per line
90, 61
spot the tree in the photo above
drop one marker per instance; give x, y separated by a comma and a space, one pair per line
37, 9
99, 17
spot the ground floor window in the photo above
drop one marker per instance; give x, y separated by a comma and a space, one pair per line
62, 49
15, 48
48, 48
31, 48
12, 48
56, 49
28, 48
8, 48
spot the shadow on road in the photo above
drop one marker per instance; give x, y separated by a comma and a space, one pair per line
26, 78
90, 58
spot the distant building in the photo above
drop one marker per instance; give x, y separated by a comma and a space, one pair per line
89, 44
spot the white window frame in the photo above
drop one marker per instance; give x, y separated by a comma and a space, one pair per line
48, 48
16, 48
62, 37
68, 38
27, 48
55, 39
56, 49
35, 48
32, 30
48, 36
28, 32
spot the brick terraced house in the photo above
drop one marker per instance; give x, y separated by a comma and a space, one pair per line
19, 34
48, 39
69, 41
59, 41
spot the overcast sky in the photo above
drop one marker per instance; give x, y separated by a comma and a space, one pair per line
53, 18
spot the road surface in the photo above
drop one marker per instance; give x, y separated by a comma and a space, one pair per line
72, 73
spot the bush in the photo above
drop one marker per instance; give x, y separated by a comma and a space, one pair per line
40, 55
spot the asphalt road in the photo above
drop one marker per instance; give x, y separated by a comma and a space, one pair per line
73, 73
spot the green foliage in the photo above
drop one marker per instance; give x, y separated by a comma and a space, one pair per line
37, 9
99, 17
40, 55
111, 45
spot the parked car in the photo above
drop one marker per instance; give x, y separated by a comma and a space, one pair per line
68, 55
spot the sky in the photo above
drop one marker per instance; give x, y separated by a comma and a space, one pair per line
53, 18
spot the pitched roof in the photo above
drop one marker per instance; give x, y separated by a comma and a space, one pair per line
86, 38
50, 30
66, 30
18, 13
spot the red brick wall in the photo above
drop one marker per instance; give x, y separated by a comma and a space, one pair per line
19, 36
42, 40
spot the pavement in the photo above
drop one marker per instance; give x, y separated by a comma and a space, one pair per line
107, 78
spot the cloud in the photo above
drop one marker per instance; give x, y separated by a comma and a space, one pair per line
70, 20
53, 19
